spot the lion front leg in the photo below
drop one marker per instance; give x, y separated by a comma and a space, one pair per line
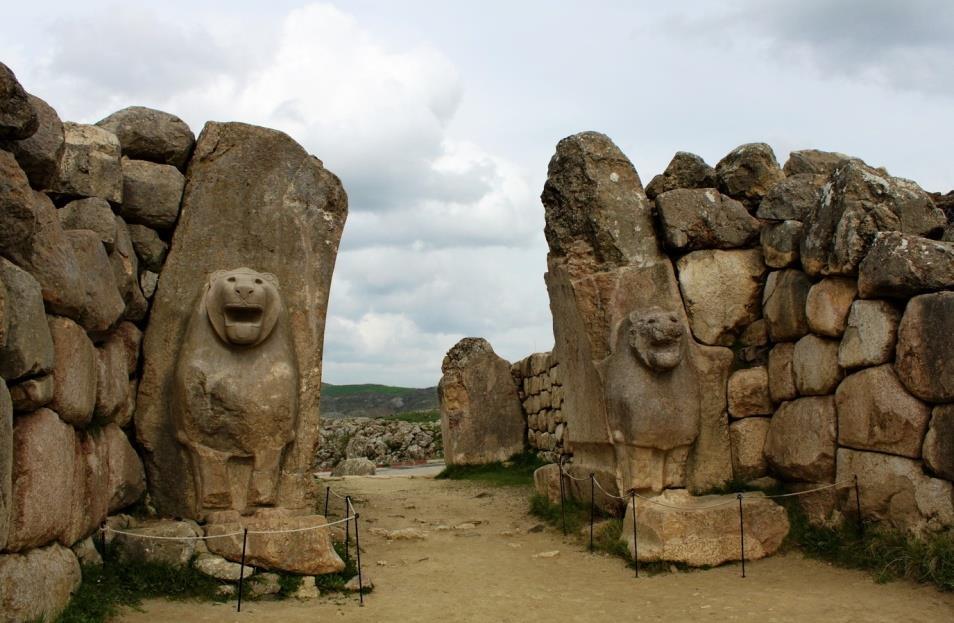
211, 471
265, 472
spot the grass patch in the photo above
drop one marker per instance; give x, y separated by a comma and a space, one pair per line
335, 582
366, 388
417, 417
518, 470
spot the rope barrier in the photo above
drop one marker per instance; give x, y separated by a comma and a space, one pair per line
227, 534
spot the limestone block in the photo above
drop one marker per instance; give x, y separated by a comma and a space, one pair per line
748, 447
37, 585
89, 166
801, 440
828, 304
103, 305
6, 463
815, 366
308, 552
901, 265
176, 553
939, 442
149, 247
721, 290
748, 172
151, 193
39, 155
18, 118
704, 219
781, 242
749, 393
92, 213
783, 304
812, 161
870, 334
74, 371
875, 412
703, 536
31, 394
895, 490
792, 198
126, 480
925, 343
29, 348
149, 134
685, 170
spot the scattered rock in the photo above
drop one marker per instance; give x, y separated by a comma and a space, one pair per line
685, 170
29, 347
548, 554
828, 304
781, 243
37, 585
783, 304
749, 393
153, 135
704, 219
151, 193
354, 467
901, 266
89, 166
39, 155
792, 198
801, 440
815, 366
925, 343
748, 172
870, 334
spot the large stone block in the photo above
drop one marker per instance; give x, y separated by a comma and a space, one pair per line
722, 291
126, 480
546, 482
870, 334
306, 552
685, 170
901, 265
815, 366
29, 348
792, 198
175, 547
481, 419
748, 447
148, 134
39, 155
112, 379
801, 440
875, 412
256, 199
780, 373
125, 266
748, 172
812, 161
18, 118
92, 213
781, 243
74, 371
6, 462
151, 193
150, 248
31, 394
103, 305
828, 304
938, 447
18, 219
783, 304
90, 494
925, 343
896, 491
749, 393
704, 219
37, 585
89, 166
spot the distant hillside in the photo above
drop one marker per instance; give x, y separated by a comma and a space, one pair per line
368, 400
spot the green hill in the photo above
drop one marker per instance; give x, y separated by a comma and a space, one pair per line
371, 400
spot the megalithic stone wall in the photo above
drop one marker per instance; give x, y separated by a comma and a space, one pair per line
540, 388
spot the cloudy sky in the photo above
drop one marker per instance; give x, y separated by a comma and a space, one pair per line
440, 118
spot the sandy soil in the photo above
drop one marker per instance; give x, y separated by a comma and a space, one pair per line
489, 573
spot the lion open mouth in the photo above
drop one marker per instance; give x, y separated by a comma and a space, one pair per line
237, 314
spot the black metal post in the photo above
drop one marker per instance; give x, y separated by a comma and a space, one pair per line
741, 533
242, 568
592, 507
562, 497
861, 523
347, 513
327, 493
357, 553
635, 538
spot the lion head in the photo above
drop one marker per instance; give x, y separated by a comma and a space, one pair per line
243, 305
656, 336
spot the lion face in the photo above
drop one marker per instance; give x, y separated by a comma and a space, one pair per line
657, 338
243, 305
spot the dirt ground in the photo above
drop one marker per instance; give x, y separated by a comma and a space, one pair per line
489, 573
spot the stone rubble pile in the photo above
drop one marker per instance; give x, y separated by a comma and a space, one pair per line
383, 441
541, 393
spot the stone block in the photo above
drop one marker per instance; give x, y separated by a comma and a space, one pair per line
89, 166
748, 447
828, 304
306, 552
151, 193
783, 304
815, 366
870, 334
29, 348
749, 393
74, 371
801, 440
925, 343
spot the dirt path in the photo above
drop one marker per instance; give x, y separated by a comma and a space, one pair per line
488, 573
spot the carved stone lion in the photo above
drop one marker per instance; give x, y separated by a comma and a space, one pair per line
235, 391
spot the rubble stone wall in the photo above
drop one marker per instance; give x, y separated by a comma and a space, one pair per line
540, 389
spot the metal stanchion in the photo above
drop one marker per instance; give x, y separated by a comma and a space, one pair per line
861, 523
741, 533
562, 496
357, 553
327, 494
635, 538
242, 568
347, 513
592, 507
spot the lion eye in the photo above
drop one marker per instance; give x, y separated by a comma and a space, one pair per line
258, 281
231, 279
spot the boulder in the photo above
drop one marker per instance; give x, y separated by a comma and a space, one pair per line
150, 248
481, 418
925, 343
18, 118
31, 394
221, 569
74, 371
6, 463
354, 467
89, 502
174, 552
815, 366
870, 334
148, 281
704, 219
822, 508
901, 266
896, 491
39, 155
148, 134
305, 552
112, 379
94, 214
29, 348
856, 203
89, 166
125, 266
104, 305
938, 447
800, 444
812, 161
721, 290
781, 375
748, 172
828, 304
780, 243
37, 585
749, 393
685, 170
126, 480
792, 198
706, 533
783, 304
748, 447
131, 338
17, 211
546, 482
87, 554
151, 193
875, 412
264, 584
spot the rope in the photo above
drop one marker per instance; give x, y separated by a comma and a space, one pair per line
822, 488
571, 477
227, 534
336, 494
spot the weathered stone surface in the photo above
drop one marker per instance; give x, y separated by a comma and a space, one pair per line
148, 134
39, 155
812, 161
151, 193
176, 553
828, 304
29, 348
780, 243
546, 481
307, 552
150, 248
89, 502
131, 338
783, 304
856, 203
18, 119
17, 212
748, 172
815, 366
820, 508
4, 314
261, 179
925, 343
74, 371
938, 449
87, 554
126, 480
871, 332
31, 394
221, 569
895, 490
481, 418
37, 585
749, 393
722, 291
89, 166
93, 213
707, 532
6, 463
704, 219
685, 170
875, 412
104, 305
792, 198
780, 372
126, 273
801, 440
148, 281
264, 584
900, 266
748, 447
354, 467
112, 379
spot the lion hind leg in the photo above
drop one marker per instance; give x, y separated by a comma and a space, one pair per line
265, 471
212, 476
